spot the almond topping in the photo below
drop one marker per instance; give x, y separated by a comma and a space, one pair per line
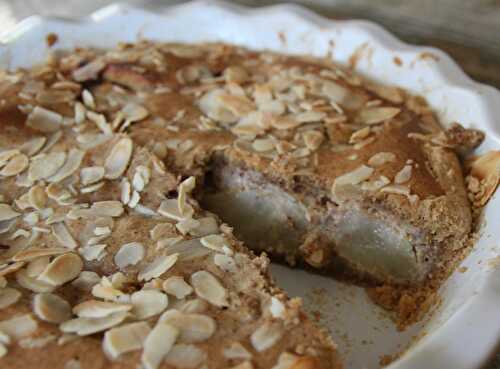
90, 175
118, 159
185, 356
8, 296
177, 286
266, 336
88, 326
51, 308
129, 254
381, 158
128, 337
19, 327
157, 345
44, 120
193, 327
16, 165
62, 269
403, 175
209, 288
75, 158
6, 212
148, 303
99, 309
46, 165
158, 267
61, 233
37, 197
237, 351
377, 115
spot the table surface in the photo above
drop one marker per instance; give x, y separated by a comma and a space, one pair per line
466, 29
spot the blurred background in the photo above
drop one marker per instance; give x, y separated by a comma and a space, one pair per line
468, 30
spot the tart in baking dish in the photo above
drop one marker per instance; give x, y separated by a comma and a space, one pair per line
131, 176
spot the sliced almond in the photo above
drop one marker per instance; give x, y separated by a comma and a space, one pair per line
377, 115
8, 296
35, 253
51, 308
44, 120
6, 155
157, 345
129, 254
90, 175
225, 263
61, 233
118, 159
185, 188
209, 288
158, 267
266, 336
89, 71
161, 230
62, 269
177, 286
185, 356
148, 303
404, 175
44, 166
37, 197
99, 309
88, 326
381, 158
7, 213
73, 162
193, 327
94, 252
16, 165
354, 177
31, 283
170, 209
216, 242
127, 338
19, 326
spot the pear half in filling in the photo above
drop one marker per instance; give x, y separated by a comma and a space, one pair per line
361, 240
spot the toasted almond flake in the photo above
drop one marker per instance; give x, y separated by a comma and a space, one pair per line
88, 326
354, 177
128, 337
6, 269
237, 351
73, 162
310, 116
161, 230
3, 350
193, 327
215, 242
225, 263
177, 286
8, 296
51, 308
63, 236
148, 303
285, 122
108, 208
37, 197
118, 159
377, 115
32, 146
486, 169
6, 155
157, 345
4, 338
3, 282
161, 265
36, 266
263, 144
90, 175
80, 113
168, 242
31, 283
396, 189
92, 188
129, 254
99, 309
7, 213
16, 165
195, 306
214, 108
360, 135
403, 175
375, 184
134, 199
19, 326
106, 292
94, 252
266, 336
35, 253
185, 188
100, 121
88, 99
381, 158
133, 112
44, 120
86, 280
89, 71
44, 166
170, 209
209, 288
62, 269
185, 226
185, 356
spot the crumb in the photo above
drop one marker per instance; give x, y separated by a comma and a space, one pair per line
397, 60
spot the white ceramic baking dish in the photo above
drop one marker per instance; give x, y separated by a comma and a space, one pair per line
463, 331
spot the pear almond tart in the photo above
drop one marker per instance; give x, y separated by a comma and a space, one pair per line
134, 182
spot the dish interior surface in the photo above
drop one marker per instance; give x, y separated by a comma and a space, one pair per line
467, 315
